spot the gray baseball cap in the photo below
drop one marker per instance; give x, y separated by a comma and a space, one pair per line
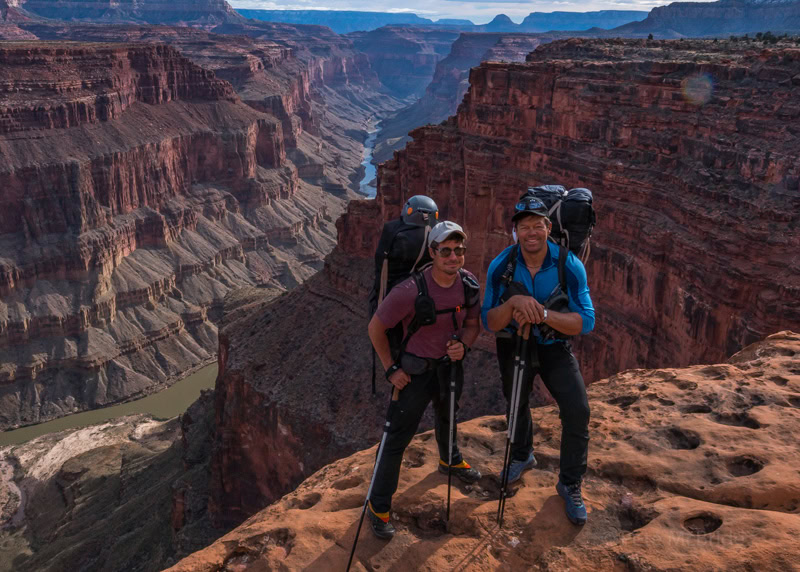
443, 231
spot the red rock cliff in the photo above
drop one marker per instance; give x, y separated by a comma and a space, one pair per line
689, 150
154, 193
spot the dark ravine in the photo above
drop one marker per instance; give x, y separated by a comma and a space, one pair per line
449, 84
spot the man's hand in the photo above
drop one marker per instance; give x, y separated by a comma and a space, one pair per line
526, 310
399, 379
455, 350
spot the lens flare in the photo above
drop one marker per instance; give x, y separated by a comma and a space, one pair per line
697, 89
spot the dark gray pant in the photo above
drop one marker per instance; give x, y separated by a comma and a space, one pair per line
562, 377
414, 398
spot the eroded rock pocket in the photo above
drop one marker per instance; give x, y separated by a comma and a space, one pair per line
347, 483
682, 438
635, 517
704, 523
737, 420
623, 401
745, 465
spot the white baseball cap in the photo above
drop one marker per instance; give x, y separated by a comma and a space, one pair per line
443, 230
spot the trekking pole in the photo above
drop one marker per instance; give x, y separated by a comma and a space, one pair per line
452, 434
521, 349
386, 426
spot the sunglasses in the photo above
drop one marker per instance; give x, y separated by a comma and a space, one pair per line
530, 204
447, 251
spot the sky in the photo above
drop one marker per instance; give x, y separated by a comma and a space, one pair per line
479, 11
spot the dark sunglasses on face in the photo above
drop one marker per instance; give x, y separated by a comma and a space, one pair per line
530, 204
447, 251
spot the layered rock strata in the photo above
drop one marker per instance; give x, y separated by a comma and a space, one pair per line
404, 58
180, 13
691, 151
688, 468
718, 18
155, 192
449, 84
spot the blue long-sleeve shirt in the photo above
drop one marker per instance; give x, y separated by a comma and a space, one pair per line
541, 285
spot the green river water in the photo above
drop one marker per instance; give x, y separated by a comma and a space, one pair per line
165, 404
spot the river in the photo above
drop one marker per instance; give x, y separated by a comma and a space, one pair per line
370, 171
162, 405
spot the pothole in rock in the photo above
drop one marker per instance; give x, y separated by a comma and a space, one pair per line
779, 380
745, 465
794, 401
496, 425
737, 420
347, 483
696, 408
682, 438
414, 458
308, 501
623, 401
704, 523
633, 518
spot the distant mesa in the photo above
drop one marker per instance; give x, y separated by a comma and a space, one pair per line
718, 18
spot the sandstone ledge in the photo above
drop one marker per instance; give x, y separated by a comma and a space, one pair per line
688, 467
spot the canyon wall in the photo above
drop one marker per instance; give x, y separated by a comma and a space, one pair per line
449, 84
691, 151
181, 13
718, 18
157, 190
403, 57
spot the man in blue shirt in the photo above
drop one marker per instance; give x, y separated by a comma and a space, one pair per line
520, 282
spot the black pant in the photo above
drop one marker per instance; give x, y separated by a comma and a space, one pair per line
562, 377
433, 386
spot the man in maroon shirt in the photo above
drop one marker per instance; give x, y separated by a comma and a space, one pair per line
424, 365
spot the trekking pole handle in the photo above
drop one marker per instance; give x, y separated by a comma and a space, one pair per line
395, 394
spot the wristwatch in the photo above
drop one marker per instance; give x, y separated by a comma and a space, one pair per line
392, 368
544, 316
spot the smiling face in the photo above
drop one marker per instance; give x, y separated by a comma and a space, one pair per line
532, 233
450, 263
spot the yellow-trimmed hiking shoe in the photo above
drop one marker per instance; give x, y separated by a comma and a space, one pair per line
462, 470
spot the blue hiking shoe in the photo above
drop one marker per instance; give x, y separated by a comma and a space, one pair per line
573, 502
516, 468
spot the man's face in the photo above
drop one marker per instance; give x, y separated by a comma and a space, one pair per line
532, 233
445, 258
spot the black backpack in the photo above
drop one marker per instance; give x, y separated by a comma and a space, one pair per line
572, 215
402, 250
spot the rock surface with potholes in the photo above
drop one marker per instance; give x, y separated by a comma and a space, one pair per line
688, 468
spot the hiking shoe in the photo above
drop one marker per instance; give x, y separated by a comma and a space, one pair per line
515, 468
576, 510
381, 527
462, 470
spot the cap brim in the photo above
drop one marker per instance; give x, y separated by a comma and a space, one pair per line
532, 213
447, 236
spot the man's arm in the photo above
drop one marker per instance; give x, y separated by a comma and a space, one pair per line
380, 341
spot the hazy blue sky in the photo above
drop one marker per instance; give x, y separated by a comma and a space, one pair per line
479, 11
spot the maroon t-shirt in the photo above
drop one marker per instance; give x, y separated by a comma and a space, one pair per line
429, 341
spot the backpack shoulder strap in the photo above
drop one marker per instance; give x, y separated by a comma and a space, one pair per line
422, 290
563, 252
511, 266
